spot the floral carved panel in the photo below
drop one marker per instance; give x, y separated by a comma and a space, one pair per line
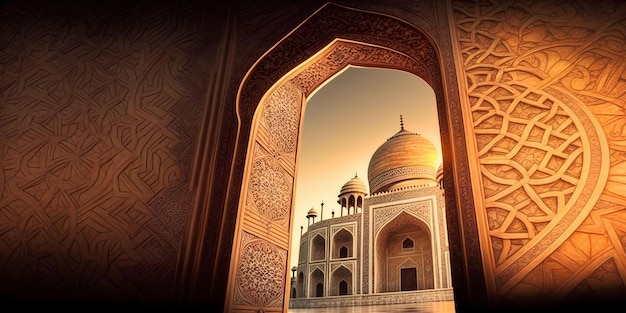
260, 279
545, 87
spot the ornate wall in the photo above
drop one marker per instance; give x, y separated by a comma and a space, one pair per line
100, 110
103, 104
544, 85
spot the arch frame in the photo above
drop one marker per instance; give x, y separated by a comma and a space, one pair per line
437, 68
375, 243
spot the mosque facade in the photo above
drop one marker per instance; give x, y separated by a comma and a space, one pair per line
390, 240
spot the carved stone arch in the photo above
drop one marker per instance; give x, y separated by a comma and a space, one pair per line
342, 237
388, 245
339, 274
276, 87
381, 223
318, 248
317, 276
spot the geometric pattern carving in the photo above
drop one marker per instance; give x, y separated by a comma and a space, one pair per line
397, 174
260, 279
270, 187
532, 153
550, 132
348, 265
422, 210
342, 53
97, 126
348, 227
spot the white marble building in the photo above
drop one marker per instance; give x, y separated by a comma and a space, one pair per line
389, 240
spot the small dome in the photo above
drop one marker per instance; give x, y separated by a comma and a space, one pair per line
440, 170
405, 159
354, 185
312, 213
440, 175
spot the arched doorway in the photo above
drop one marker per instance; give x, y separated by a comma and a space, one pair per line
340, 282
270, 105
343, 288
300, 285
398, 265
342, 244
317, 283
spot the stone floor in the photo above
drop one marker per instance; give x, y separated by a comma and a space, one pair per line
433, 307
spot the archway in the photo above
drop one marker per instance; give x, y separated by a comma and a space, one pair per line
318, 248
342, 244
393, 263
300, 285
340, 282
316, 285
270, 104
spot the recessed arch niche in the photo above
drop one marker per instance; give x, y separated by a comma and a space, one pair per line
270, 106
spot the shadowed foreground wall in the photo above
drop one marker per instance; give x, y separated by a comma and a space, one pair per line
100, 109
118, 123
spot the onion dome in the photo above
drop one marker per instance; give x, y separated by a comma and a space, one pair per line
405, 159
312, 213
354, 185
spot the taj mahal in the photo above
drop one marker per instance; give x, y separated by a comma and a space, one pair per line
388, 245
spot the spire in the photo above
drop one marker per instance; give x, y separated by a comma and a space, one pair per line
401, 123
355, 175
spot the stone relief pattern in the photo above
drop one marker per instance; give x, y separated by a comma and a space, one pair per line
260, 279
348, 265
319, 266
348, 228
97, 128
595, 253
321, 232
345, 53
396, 174
548, 58
269, 187
320, 30
421, 209
281, 116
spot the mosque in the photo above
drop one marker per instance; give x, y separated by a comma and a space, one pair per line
390, 240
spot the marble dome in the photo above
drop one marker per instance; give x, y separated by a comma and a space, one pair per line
354, 185
312, 213
405, 159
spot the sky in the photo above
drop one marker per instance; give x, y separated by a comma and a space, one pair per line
345, 121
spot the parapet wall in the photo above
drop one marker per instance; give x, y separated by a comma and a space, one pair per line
418, 296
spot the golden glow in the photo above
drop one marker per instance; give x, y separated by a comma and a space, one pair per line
344, 123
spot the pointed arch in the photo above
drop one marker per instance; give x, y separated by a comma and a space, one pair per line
390, 255
280, 81
343, 239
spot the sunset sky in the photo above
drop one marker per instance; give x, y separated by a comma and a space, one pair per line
345, 121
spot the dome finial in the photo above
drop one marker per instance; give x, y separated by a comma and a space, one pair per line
401, 123
355, 175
